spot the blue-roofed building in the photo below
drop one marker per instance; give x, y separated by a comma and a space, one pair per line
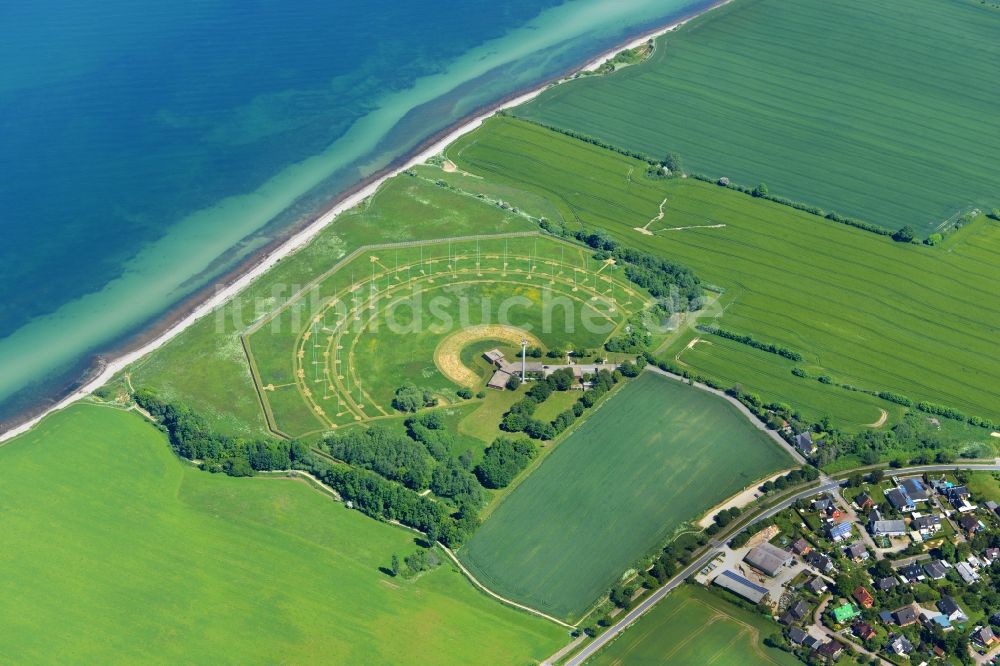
739, 585
915, 489
839, 531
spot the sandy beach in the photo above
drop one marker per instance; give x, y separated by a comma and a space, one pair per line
302, 237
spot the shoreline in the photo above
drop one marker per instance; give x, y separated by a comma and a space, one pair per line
179, 318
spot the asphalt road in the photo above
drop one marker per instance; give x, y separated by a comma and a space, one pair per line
709, 555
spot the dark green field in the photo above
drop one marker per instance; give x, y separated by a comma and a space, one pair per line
879, 110
915, 320
658, 453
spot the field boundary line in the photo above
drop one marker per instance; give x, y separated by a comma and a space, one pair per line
509, 602
347, 258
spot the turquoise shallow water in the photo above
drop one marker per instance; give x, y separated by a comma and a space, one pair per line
147, 147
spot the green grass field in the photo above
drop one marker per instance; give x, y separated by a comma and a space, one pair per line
336, 354
206, 367
863, 108
116, 552
693, 626
656, 454
914, 320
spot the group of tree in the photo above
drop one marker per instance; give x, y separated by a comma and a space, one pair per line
429, 429
660, 277
394, 456
422, 559
749, 340
385, 469
381, 498
503, 460
521, 415
192, 438
409, 398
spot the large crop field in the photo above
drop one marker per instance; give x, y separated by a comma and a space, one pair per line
115, 551
655, 455
877, 110
914, 320
693, 626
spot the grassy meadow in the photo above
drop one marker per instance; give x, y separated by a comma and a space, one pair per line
864, 310
868, 109
655, 455
206, 366
335, 355
105, 529
694, 626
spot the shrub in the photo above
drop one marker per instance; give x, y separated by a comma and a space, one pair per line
503, 460
410, 398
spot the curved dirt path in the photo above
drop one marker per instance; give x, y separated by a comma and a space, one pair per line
881, 420
448, 353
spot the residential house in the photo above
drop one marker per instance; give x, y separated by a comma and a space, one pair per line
830, 650
797, 636
816, 585
737, 584
888, 528
811, 642
991, 506
959, 498
915, 490
804, 443
795, 612
874, 516
985, 637
970, 524
864, 631
863, 597
833, 512
886, 584
838, 531
899, 645
820, 561
932, 620
768, 559
864, 502
904, 616
911, 573
822, 504
991, 555
899, 500
937, 569
857, 552
845, 613
967, 573
801, 547
926, 525
950, 608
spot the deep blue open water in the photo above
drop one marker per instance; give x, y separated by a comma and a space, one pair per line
142, 141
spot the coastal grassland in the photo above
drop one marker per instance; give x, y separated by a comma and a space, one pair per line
866, 311
390, 314
206, 366
105, 529
856, 107
656, 453
696, 626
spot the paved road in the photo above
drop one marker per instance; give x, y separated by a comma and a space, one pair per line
697, 565
639, 610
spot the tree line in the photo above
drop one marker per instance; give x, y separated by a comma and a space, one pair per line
750, 342
520, 416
